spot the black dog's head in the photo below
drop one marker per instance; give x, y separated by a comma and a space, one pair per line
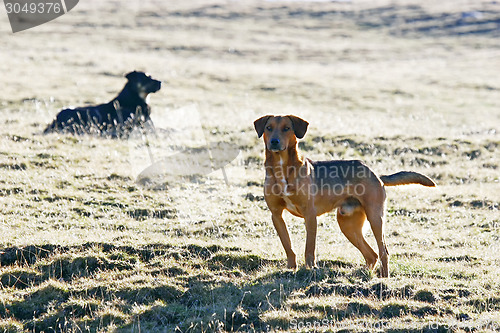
143, 83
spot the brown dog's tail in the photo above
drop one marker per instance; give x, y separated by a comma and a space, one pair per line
407, 177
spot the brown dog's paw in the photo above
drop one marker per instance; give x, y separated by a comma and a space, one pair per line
292, 263
311, 263
383, 273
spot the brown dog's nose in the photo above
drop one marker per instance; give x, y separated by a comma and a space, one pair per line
275, 142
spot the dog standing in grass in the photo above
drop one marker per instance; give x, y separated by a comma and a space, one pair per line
116, 118
309, 188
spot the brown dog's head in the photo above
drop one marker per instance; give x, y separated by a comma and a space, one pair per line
280, 132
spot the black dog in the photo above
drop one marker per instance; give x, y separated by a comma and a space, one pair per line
116, 118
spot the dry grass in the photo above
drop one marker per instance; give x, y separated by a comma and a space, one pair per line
401, 85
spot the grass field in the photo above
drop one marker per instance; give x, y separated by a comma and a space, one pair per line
399, 84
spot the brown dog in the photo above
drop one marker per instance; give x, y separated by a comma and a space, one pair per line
308, 189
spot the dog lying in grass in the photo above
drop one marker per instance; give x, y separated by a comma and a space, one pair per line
116, 118
309, 188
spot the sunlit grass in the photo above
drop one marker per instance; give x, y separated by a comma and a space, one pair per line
86, 248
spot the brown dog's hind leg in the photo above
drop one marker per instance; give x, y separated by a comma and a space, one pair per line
376, 218
351, 226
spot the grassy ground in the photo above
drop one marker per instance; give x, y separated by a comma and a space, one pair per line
399, 84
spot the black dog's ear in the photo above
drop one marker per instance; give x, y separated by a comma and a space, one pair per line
299, 126
260, 125
131, 75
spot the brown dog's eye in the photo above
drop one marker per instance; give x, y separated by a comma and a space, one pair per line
269, 128
286, 129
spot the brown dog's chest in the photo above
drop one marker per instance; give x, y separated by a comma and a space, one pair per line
288, 190
287, 193
292, 208
280, 186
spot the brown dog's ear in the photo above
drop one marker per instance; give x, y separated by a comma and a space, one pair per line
260, 125
299, 126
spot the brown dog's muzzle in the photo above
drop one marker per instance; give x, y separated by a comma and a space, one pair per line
275, 145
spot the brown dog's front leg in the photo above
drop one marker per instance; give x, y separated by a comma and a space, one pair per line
280, 226
311, 229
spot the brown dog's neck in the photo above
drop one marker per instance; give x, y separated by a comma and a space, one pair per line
283, 164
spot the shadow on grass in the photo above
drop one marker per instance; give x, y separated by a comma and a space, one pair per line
96, 286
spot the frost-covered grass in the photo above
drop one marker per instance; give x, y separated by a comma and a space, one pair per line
398, 85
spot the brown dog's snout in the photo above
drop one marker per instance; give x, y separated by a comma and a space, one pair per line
274, 144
